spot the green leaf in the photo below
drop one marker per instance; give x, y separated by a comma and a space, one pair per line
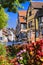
20, 61
2, 49
10, 3
3, 18
25, 61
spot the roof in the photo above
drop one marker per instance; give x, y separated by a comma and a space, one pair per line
22, 16
37, 4
22, 13
22, 20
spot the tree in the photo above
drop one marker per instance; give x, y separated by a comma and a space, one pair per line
12, 5
3, 18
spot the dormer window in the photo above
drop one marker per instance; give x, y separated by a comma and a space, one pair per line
24, 17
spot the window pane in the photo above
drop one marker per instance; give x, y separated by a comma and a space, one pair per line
37, 33
29, 34
42, 19
42, 31
30, 13
24, 35
23, 26
28, 25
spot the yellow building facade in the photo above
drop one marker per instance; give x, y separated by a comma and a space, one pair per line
33, 22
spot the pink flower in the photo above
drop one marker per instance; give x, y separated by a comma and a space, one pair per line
18, 53
21, 51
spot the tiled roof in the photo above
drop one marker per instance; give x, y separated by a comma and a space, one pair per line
22, 13
37, 4
22, 20
22, 16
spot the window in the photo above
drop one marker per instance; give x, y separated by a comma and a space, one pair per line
23, 35
40, 19
29, 34
0, 38
37, 33
30, 13
41, 24
29, 25
23, 26
24, 17
41, 31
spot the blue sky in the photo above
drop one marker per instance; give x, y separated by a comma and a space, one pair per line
13, 16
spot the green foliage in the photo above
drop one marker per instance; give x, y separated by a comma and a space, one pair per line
5, 62
25, 57
12, 5
24, 61
3, 58
3, 18
22, 1
2, 49
12, 52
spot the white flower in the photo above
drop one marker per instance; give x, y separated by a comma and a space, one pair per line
17, 57
21, 58
24, 50
21, 64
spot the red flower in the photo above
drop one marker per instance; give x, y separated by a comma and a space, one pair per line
42, 63
13, 60
41, 41
39, 52
37, 56
31, 48
37, 42
33, 43
42, 54
16, 63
